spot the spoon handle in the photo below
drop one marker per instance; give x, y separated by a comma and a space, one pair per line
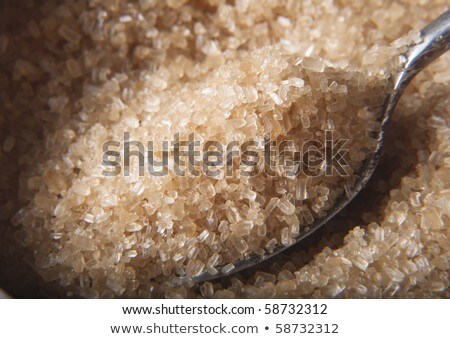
435, 41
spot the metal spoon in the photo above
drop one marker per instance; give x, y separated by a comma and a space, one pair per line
435, 41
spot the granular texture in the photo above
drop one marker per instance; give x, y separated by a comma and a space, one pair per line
78, 74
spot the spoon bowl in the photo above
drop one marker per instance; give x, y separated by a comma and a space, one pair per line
434, 41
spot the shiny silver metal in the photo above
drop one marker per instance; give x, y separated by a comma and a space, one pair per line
435, 41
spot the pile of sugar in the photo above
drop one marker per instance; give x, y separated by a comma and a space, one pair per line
138, 60
89, 223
